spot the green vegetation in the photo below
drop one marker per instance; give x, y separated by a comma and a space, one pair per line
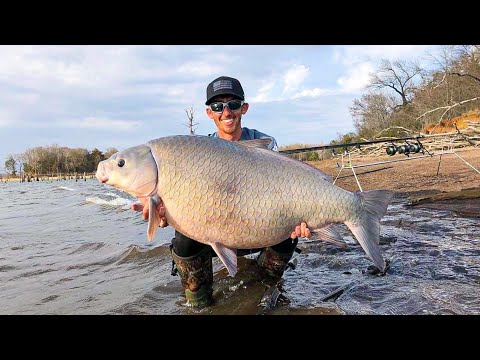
307, 155
10, 166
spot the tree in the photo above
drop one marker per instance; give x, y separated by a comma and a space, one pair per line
398, 76
110, 151
405, 98
79, 159
10, 166
372, 113
453, 89
190, 123
94, 158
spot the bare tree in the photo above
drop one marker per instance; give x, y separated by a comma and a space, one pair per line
398, 76
79, 158
454, 88
408, 99
372, 113
110, 151
191, 126
469, 63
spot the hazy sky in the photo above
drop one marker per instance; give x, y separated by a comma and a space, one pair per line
121, 96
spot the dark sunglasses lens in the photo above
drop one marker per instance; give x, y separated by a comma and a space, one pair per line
234, 105
216, 106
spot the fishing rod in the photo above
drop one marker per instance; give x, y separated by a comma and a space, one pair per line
355, 144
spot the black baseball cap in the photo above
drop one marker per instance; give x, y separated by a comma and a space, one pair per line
224, 85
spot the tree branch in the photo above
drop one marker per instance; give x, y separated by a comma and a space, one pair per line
408, 131
459, 74
448, 107
441, 81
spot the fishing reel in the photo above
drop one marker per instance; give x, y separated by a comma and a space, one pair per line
406, 149
391, 150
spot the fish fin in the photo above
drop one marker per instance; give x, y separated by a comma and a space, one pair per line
256, 143
153, 218
228, 257
329, 234
367, 228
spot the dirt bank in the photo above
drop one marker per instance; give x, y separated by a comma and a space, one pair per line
417, 179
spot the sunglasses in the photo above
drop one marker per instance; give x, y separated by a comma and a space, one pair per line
219, 106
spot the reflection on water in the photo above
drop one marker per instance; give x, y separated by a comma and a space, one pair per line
77, 248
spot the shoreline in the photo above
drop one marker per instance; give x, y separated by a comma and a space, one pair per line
48, 178
408, 177
455, 188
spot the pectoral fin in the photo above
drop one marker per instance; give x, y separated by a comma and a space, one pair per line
153, 218
228, 257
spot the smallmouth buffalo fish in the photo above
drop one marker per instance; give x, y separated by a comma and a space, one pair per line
241, 195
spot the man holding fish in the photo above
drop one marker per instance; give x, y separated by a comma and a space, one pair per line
225, 106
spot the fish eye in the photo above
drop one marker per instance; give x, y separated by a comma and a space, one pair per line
121, 162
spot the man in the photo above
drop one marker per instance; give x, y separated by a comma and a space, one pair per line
225, 106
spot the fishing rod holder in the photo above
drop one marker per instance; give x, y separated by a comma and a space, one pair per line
406, 149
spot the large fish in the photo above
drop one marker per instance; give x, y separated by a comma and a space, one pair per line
241, 195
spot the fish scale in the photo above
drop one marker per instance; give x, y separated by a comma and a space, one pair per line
241, 195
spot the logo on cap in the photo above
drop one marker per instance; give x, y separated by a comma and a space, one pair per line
222, 84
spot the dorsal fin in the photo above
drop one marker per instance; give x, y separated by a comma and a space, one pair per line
256, 143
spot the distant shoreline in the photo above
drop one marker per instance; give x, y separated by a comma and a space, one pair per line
42, 178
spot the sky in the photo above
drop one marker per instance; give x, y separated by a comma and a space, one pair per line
103, 96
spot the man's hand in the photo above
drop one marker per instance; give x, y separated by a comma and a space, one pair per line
301, 231
142, 206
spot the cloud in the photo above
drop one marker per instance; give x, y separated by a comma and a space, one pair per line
316, 92
294, 77
263, 93
97, 123
5, 122
348, 55
198, 67
356, 78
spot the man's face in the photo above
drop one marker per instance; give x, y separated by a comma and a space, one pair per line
228, 121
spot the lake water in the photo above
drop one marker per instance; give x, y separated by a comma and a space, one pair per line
75, 247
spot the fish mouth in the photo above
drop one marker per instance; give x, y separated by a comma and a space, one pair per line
102, 178
101, 174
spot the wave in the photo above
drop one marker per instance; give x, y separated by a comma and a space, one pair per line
64, 188
137, 254
116, 201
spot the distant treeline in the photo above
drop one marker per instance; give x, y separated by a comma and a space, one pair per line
307, 155
55, 160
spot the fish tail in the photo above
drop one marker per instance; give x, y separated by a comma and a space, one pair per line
366, 227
